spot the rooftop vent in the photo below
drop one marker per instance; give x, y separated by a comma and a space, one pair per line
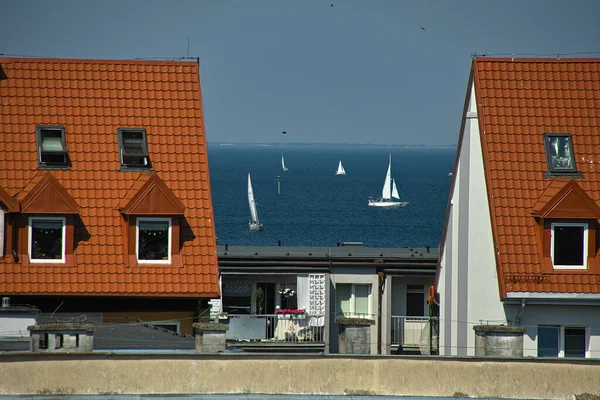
5, 302
352, 244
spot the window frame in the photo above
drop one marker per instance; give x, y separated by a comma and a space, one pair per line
144, 144
352, 313
137, 239
562, 339
586, 229
30, 238
554, 171
39, 136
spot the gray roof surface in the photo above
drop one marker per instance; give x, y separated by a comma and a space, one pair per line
344, 251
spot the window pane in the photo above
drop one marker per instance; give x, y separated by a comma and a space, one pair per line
575, 342
52, 141
46, 239
133, 147
415, 304
153, 240
568, 245
361, 297
559, 148
343, 293
548, 341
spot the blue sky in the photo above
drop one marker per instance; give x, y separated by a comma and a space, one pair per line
357, 72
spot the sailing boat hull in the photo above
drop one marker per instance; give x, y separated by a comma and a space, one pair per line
255, 227
387, 204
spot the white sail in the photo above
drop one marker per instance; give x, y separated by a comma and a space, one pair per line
340, 170
252, 202
283, 163
395, 190
387, 185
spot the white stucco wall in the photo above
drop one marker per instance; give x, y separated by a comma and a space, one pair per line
563, 315
467, 279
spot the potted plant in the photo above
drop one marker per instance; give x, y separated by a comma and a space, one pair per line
259, 300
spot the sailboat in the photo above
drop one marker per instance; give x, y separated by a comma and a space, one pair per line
340, 170
389, 192
254, 223
283, 164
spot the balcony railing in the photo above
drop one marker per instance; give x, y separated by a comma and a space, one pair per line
283, 328
415, 332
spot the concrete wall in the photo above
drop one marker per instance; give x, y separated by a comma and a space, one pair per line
366, 275
293, 374
467, 283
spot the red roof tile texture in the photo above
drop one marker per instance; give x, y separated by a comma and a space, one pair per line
518, 101
92, 99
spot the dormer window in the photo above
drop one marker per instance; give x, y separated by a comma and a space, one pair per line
569, 245
559, 153
52, 148
47, 239
133, 149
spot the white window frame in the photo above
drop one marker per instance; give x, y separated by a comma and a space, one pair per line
64, 237
585, 227
561, 338
137, 239
352, 313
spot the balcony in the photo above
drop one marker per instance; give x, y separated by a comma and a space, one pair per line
415, 334
275, 332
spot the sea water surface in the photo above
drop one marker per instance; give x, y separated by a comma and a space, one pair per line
317, 207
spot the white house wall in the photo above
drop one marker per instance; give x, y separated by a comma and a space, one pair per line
467, 281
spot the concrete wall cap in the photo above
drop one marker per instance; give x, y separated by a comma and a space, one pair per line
354, 321
62, 326
499, 328
210, 326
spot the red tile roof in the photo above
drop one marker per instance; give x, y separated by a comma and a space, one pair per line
92, 99
519, 100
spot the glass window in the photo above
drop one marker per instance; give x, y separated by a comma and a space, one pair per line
547, 341
361, 295
344, 295
46, 239
134, 149
52, 149
352, 300
575, 342
559, 153
569, 245
154, 240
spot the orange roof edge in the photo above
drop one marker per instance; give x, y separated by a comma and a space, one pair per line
545, 205
153, 183
97, 61
11, 204
47, 182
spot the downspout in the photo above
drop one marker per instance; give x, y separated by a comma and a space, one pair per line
381, 286
518, 317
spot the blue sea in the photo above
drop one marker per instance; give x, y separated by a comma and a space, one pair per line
317, 207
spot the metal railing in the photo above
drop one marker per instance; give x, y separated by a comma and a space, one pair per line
285, 328
415, 332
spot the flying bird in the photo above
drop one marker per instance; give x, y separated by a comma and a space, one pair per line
422, 28
284, 132
331, 5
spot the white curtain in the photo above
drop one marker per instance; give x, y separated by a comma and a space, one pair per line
302, 291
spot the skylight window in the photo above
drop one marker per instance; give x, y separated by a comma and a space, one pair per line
133, 148
559, 153
52, 148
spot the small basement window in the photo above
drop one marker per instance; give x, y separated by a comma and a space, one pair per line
559, 153
47, 239
153, 240
133, 148
52, 148
569, 245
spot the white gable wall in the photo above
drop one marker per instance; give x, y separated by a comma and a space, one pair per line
467, 282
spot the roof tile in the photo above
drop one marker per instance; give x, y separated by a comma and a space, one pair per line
524, 99
92, 99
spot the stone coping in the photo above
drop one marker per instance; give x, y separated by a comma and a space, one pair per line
499, 328
210, 326
354, 321
62, 326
